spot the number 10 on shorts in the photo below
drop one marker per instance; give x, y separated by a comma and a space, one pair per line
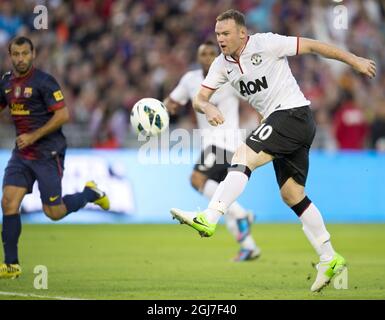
263, 131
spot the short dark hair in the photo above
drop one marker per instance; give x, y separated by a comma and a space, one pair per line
20, 41
235, 15
209, 43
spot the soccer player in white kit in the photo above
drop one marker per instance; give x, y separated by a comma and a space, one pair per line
218, 145
257, 67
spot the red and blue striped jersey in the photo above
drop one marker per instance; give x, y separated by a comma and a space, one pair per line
32, 99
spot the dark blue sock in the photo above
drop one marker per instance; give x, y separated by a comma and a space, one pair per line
90, 194
10, 236
76, 201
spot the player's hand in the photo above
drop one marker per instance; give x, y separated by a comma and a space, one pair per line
365, 66
213, 115
25, 140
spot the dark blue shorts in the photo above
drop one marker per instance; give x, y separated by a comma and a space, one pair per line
47, 172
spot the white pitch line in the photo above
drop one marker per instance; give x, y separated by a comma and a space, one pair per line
31, 295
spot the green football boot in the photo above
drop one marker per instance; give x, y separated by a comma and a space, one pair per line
196, 220
327, 270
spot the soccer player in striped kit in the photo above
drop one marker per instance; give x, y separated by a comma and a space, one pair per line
38, 110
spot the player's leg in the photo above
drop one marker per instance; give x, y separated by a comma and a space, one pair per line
10, 204
55, 212
291, 171
90, 194
209, 171
244, 161
17, 182
293, 194
238, 220
240, 227
49, 176
73, 202
291, 175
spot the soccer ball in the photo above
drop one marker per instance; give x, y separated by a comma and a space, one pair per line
149, 116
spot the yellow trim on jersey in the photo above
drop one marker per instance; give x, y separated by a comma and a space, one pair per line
20, 112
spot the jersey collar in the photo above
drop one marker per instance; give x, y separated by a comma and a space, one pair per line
23, 77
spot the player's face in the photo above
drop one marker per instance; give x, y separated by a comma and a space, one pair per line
206, 56
22, 57
230, 36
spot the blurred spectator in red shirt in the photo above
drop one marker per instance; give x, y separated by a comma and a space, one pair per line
350, 125
378, 128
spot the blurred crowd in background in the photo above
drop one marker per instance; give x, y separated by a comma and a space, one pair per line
107, 54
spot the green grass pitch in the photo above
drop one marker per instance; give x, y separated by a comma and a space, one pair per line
173, 262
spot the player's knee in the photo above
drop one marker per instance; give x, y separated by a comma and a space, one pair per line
51, 213
5, 201
286, 197
292, 196
9, 205
292, 193
53, 216
246, 156
197, 180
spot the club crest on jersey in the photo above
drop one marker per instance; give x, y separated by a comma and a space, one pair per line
58, 95
17, 92
256, 59
27, 92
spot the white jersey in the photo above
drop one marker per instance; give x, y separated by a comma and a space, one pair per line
227, 135
262, 75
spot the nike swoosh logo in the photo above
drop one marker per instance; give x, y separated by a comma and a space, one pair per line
7, 91
202, 168
198, 222
256, 140
228, 72
52, 199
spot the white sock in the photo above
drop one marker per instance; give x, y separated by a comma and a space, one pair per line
226, 193
312, 240
314, 225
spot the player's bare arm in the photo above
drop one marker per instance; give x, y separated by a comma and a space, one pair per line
60, 117
362, 65
202, 105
